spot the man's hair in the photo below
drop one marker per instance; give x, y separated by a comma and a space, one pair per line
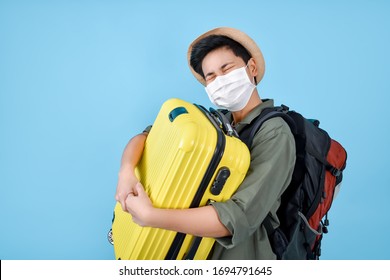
213, 42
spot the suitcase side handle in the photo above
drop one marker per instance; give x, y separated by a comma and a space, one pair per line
177, 112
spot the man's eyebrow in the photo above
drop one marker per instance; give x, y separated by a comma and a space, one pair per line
226, 64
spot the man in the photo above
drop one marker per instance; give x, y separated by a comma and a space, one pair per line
230, 65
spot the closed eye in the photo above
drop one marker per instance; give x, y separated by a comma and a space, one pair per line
210, 77
224, 69
228, 68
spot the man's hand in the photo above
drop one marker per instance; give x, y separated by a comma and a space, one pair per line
126, 185
139, 205
201, 221
130, 158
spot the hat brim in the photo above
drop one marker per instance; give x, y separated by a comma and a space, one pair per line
239, 37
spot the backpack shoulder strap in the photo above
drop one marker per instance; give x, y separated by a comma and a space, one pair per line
250, 130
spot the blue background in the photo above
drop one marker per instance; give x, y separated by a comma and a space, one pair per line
79, 78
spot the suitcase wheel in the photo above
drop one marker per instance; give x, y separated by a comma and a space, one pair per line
109, 237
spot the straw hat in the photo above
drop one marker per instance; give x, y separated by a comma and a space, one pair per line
239, 37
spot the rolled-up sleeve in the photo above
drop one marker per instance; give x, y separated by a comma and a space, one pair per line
270, 171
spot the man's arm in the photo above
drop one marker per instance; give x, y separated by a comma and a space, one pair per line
130, 158
202, 221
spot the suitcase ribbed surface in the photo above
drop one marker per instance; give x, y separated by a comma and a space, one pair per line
176, 157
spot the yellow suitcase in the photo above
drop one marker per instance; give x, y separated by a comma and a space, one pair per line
191, 157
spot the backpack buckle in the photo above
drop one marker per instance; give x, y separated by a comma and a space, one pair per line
284, 108
335, 172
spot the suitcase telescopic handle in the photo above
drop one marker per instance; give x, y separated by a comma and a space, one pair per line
226, 126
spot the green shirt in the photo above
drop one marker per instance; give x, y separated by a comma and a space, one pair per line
270, 171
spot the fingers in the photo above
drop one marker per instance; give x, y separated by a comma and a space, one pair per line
123, 204
139, 189
124, 193
120, 198
126, 200
125, 186
137, 203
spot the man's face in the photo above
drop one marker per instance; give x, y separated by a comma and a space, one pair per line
220, 62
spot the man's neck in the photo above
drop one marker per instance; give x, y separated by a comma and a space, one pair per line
253, 102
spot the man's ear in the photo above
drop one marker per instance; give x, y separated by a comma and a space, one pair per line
252, 67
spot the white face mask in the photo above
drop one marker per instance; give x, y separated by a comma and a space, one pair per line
231, 91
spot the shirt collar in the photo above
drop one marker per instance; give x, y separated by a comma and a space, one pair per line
267, 103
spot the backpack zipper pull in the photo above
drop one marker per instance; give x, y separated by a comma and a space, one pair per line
325, 224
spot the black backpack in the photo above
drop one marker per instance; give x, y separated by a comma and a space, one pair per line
317, 175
